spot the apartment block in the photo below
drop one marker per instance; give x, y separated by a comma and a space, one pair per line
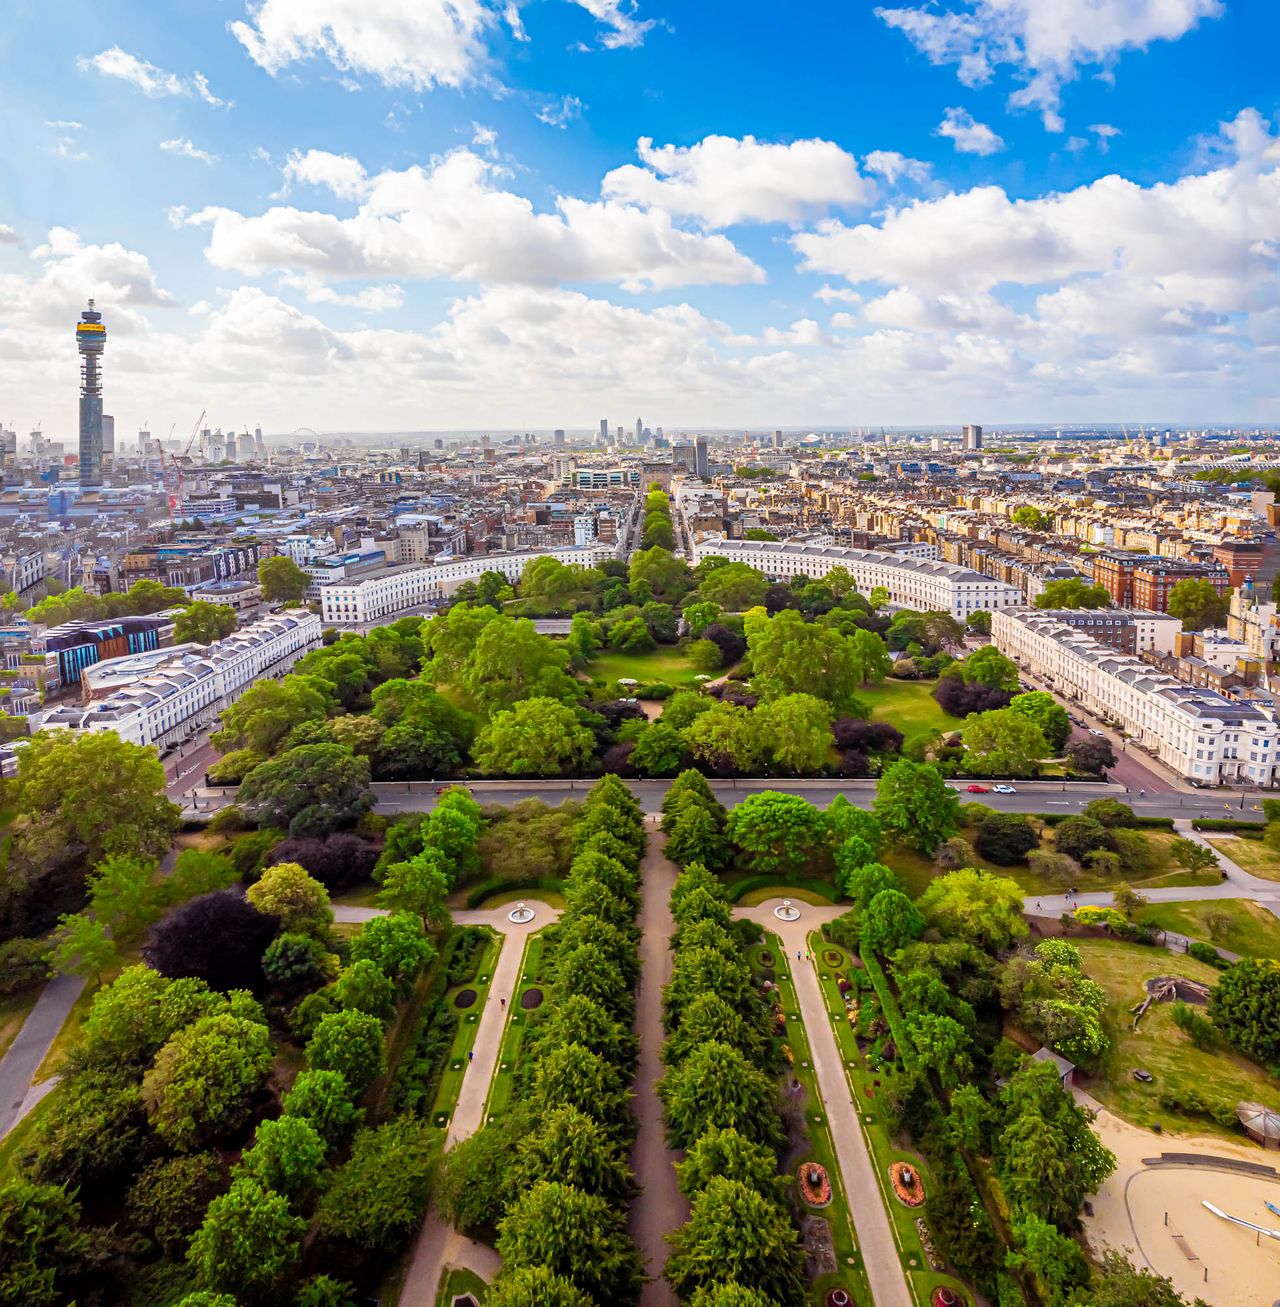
1144, 580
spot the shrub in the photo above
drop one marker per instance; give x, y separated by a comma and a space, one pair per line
1198, 1029
23, 964
1207, 953
1005, 837
338, 862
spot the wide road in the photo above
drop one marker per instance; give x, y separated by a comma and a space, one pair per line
1031, 796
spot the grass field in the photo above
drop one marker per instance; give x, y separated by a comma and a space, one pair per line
908, 705
458, 1282
14, 1010
1159, 1047
1253, 855
1235, 924
661, 664
502, 1090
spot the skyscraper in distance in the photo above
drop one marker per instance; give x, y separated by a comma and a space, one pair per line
972, 437
639, 431
604, 431
700, 461
91, 342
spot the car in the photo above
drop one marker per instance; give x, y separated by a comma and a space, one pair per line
1093, 730
1004, 789
977, 789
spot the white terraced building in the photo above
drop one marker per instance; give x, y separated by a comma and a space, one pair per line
171, 700
912, 582
390, 590
1200, 734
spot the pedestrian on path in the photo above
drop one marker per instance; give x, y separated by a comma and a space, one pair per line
471, 1057
503, 1001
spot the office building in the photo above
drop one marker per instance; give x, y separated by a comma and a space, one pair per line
700, 463
639, 431
972, 437
604, 431
1200, 734
557, 436
684, 457
91, 342
777, 440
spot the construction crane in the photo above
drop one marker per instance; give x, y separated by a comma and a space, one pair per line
177, 466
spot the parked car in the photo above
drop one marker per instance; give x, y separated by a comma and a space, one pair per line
1004, 789
977, 789
1102, 735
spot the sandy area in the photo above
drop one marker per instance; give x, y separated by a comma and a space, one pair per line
1130, 1213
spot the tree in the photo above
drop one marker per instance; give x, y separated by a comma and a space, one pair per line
298, 900
536, 1286
539, 737
420, 886
1032, 518
1073, 592
1197, 604
397, 945
1051, 1258
798, 727
511, 662
659, 750
577, 1235
286, 1156
728, 1294
1003, 743
282, 580
311, 790
169, 1198
1115, 1282
323, 1100
915, 805
726, 738
203, 623
699, 616
1111, 813
735, 1234
569, 1147
863, 882
1091, 755
248, 1244
980, 621
1245, 1006
41, 1244
731, 1155
294, 961
218, 937
953, 854
1004, 837
84, 947
337, 862
975, 906
378, 1197
792, 656
1078, 836
1047, 713
779, 832
1195, 857
201, 1084
715, 1087
989, 667
695, 834
890, 921
583, 640
660, 570
349, 1043
942, 1046
735, 587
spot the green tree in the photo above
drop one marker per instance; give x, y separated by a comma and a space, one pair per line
569, 1147
204, 1078
863, 881
1032, 518
268, 710
289, 892
577, 1235
735, 587
1245, 1006
726, 737
988, 666
420, 886
975, 906
1073, 592
915, 805
1195, 857
203, 623
294, 961
778, 832
798, 728
583, 641
397, 944
311, 790
41, 1244
323, 1100
574, 1076
248, 1244
715, 1087
696, 834
728, 1294
735, 1234
287, 1155
282, 580
660, 570
539, 737
942, 1046
83, 948
511, 662
890, 921
1047, 713
705, 655
1053, 1260
1003, 743
659, 750
791, 656
733, 1156
700, 615
536, 1286
349, 1043
169, 1198
1197, 604
1115, 1282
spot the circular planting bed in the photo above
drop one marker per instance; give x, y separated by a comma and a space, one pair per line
765, 958
907, 1185
945, 1296
530, 999
815, 1184
465, 998
832, 957
839, 1298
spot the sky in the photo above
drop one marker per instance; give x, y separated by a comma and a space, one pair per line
416, 215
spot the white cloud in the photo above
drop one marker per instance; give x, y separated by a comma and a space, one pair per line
1044, 42
723, 181
484, 138
893, 166
180, 145
339, 173
153, 82
1077, 143
373, 299
623, 29
451, 220
561, 113
968, 136
412, 43
8, 236
837, 295
1105, 133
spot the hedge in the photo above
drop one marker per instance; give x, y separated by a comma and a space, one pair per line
1251, 830
889, 1006
1137, 823
812, 884
499, 885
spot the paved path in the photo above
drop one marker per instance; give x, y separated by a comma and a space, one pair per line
439, 1245
31, 1046
661, 1206
879, 1248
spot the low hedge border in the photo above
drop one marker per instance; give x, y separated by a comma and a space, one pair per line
1251, 830
1136, 823
812, 885
498, 885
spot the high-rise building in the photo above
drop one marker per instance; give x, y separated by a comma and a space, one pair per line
684, 455
639, 431
700, 461
231, 445
257, 442
777, 440
108, 434
557, 436
144, 443
972, 437
621, 434
604, 431
91, 341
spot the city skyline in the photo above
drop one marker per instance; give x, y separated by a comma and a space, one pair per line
507, 223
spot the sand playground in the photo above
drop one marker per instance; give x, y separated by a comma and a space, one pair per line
1155, 1212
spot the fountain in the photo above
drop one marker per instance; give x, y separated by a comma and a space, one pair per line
787, 911
521, 914
839, 1298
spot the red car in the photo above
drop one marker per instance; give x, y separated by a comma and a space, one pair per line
978, 789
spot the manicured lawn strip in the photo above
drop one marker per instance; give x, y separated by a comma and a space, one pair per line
1254, 856
922, 1279
14, 1010
504, 1080
548, 896
662, 664
1160, 1048
465, 1036
782, 890
1248, 928
458, 1282
851, 1275
908, 705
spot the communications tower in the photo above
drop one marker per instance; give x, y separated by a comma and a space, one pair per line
91, 341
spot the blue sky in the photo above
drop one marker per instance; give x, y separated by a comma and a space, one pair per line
397, 214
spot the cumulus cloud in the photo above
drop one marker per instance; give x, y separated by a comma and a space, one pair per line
452, 220
153, 82
8, 236
623, 30
895, 167
560, 113
722, 181
180, 145
339, 173
1105, 133
968, 136
1044, 42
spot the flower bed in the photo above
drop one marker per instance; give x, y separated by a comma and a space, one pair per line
815, 1184
907, 1185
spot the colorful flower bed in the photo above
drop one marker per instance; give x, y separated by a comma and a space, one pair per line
907, 1184
815, 1184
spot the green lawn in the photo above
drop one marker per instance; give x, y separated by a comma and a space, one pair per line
459, 1282
664, 663
908, 705
1238, 925
1160, 1048
1253, 855
502, 1090
464, 1037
